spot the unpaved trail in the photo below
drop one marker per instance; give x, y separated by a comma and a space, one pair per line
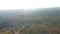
17, 32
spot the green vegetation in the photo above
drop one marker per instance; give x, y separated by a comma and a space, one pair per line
45, 21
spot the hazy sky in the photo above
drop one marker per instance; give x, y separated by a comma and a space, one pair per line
28, 4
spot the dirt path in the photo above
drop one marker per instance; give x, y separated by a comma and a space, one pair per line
17, 32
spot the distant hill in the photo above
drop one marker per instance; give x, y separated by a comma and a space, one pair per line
13, 18
48, 12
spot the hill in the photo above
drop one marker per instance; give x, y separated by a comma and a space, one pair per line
41, 20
